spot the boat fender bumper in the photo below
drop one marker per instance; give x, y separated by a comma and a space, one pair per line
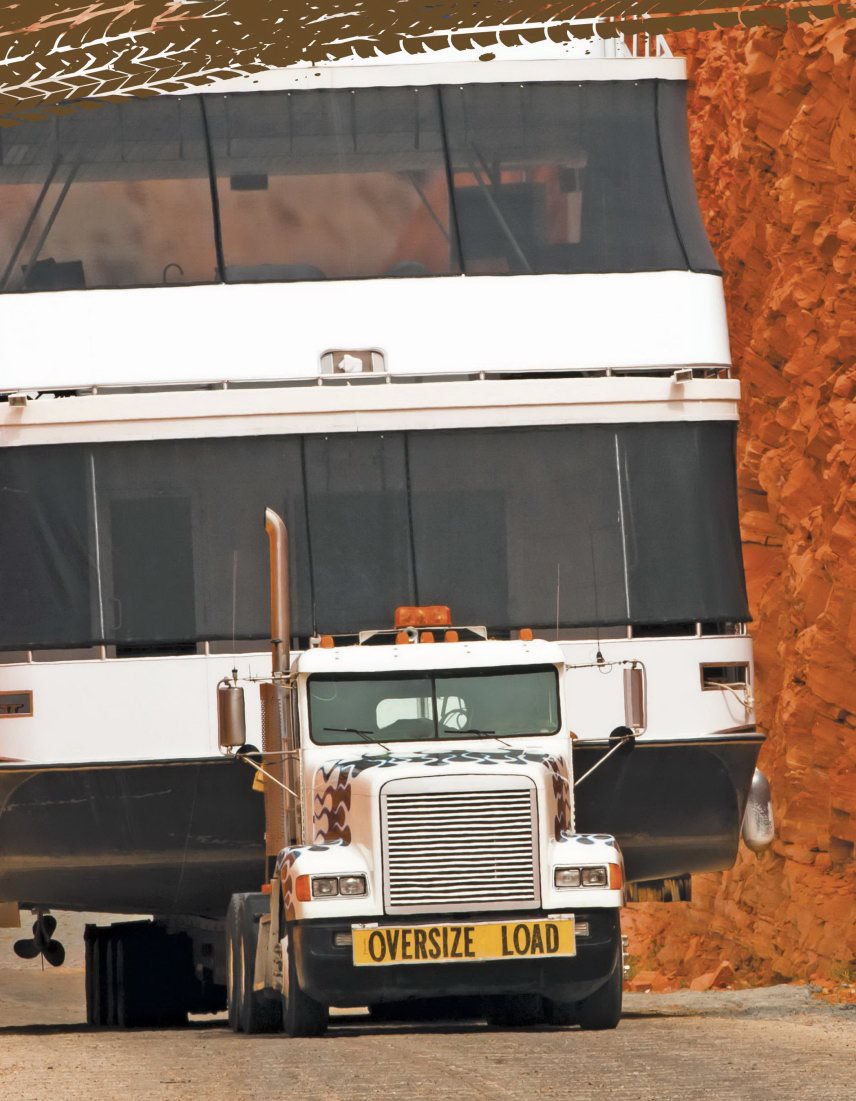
759, 828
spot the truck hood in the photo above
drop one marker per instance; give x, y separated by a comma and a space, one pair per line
339, 783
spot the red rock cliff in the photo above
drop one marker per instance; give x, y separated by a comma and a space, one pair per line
772, 119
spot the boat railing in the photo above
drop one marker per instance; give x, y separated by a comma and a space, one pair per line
603, 41
678, 373
228, 647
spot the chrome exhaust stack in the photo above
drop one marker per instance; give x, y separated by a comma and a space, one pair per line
280, 748
280, 611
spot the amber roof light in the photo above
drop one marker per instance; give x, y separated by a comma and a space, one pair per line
430, 615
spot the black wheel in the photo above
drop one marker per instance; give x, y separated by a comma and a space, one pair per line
250, 1011
301, 1015
515, 1011
602, 1010
233, 975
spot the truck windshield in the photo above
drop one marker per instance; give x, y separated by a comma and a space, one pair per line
415, 707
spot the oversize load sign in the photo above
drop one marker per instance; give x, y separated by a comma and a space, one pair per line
496, 940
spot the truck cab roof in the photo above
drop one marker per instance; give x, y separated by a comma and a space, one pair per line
425, 656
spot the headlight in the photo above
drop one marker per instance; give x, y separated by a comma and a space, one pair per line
352, 885
566, 877
331, 886
598, 876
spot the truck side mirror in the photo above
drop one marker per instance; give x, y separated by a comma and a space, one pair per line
231, 717
635, 698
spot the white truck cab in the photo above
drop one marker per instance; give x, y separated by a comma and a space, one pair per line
420, 832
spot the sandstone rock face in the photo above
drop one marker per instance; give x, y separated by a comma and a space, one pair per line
773, 134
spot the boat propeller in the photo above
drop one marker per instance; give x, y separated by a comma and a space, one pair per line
41, 943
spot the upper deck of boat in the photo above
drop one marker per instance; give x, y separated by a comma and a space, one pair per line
428, 217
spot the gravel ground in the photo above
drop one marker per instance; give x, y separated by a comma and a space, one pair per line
778, 1043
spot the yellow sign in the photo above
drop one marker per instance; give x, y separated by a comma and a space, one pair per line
494, 940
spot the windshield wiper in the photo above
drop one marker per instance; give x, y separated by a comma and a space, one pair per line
366, 735
478, 733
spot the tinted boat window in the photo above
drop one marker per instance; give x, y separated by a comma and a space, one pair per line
161, 541
111, 195
331, 184
560, 178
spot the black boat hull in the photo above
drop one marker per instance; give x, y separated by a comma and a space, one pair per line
179, 837
676, 807
163, 837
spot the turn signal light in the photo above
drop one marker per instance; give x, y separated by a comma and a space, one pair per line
303, 888
430, 615
616, 877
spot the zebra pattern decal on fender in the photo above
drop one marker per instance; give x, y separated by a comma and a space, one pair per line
563, 820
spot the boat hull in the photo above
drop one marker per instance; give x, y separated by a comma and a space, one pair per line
179, 837
676, 806
163, 837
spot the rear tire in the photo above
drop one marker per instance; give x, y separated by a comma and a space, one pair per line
251, 1011
301, 1015
602, 1010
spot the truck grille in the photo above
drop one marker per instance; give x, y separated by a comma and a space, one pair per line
464, 850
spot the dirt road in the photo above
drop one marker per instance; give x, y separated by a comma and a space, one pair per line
777, 1043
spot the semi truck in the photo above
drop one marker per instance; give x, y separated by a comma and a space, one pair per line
420, 831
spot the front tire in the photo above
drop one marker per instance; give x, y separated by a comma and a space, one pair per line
602, 1010
301, 1015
